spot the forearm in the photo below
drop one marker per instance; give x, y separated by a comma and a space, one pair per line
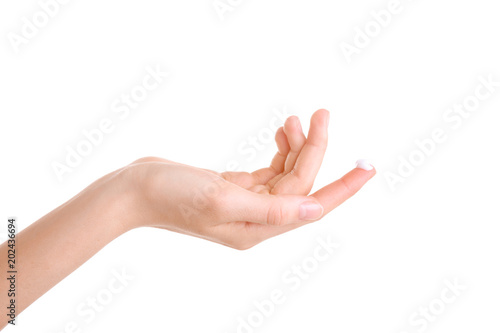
58, 243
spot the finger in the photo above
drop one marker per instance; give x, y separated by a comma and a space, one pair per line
278, 162
334, 194
273, 210
308, 163
262, 176
296, 140
329, 197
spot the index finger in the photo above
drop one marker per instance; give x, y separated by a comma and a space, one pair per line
334, 194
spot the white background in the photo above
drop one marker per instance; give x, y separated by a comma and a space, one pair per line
226, 77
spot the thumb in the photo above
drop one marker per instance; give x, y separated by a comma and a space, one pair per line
283, 209
276, 210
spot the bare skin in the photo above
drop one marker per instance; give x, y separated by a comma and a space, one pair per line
236, 209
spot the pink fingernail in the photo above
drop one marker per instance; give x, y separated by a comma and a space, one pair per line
310, 211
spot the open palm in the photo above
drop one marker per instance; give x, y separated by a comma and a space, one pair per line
241, 209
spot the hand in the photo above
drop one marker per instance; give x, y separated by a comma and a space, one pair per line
241, 209
237, 209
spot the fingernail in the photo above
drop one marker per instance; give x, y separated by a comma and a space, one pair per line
310, 211
364, 164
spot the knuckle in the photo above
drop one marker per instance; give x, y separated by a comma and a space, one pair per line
347, 186
276, 215
320, 144
296, 173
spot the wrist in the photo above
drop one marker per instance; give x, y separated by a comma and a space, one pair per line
112, 202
